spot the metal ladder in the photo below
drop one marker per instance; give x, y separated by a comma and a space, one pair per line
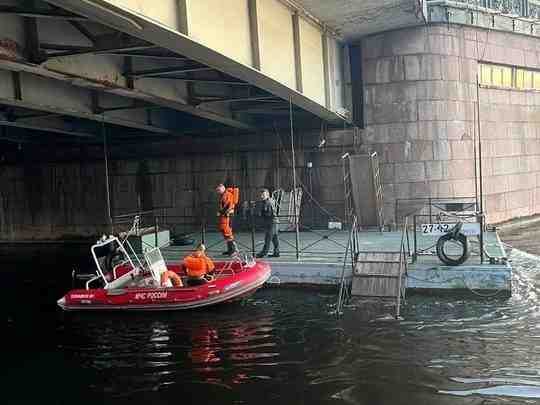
347, 186
351, 253
377, 185
375, 176
376, 276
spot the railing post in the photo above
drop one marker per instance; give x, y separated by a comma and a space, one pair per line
203, 230
252, 231
482, 238
156, 231
430, 210
407, 236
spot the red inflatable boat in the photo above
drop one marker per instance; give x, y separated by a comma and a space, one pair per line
134, 284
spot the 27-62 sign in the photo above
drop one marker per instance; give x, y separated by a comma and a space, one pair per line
468, 229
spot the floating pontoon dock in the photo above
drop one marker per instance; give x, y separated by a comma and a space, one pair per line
321, 255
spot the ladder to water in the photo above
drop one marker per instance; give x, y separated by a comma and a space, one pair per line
377, 185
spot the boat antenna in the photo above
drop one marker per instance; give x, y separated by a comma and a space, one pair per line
107, 183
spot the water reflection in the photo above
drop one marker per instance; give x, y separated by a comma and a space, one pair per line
281, 346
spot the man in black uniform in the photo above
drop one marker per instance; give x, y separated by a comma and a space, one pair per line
270, 218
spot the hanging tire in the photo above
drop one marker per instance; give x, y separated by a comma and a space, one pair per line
459, 238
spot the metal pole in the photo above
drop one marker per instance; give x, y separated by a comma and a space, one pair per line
311, 206
481, 238
297, 231
156, 231
415, 242
252, 230
104, 134
203, 231
481, 188
477, 207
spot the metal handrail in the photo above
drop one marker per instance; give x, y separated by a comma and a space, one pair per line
402, 264
203, 226
352, 248
430, 203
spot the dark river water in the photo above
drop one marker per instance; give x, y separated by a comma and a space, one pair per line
281, 346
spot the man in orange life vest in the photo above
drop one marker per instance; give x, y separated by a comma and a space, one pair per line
198, 266
225, 211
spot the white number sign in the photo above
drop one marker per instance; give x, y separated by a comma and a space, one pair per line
468, 229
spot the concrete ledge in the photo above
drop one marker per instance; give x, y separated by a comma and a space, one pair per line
482, 278
323, 274
490, 278
518, 223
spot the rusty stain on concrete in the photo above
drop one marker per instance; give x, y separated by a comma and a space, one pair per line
10, 49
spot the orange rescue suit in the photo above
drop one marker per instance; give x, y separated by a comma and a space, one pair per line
198, 264
226, 209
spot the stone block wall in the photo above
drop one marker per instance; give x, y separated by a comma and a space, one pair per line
420, 103
64, 196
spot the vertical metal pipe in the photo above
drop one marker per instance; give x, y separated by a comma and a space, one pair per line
415, 241
297, 231
481, 188
156, 231
104, 134
475, 162
481, 238
311, 205
252, 230
203, 231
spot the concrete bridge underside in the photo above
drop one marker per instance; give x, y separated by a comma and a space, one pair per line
175, 67
66, 73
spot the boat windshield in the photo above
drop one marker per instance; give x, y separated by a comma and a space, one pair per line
108, 255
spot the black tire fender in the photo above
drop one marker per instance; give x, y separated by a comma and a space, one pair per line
462, 239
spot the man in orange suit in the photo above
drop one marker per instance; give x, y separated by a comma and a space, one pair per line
225, 212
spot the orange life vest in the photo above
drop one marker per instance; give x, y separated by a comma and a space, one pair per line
198, 265
235, 192
229, 200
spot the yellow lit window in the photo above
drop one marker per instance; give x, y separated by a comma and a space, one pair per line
528, 79
520, 78
496, 76
537, 80
507, 76
485, 75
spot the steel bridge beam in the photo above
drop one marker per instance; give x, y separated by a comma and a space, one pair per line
40, 13
169, 71
94, 69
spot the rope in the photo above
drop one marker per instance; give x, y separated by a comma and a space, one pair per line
104, 134
294, 194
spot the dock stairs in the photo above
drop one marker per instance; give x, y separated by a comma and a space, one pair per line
381, 277
375, 277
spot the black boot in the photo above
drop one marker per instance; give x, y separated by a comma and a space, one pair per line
261, 254
229, 251
231, 248
275, 242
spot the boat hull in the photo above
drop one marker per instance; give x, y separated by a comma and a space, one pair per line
222, 290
